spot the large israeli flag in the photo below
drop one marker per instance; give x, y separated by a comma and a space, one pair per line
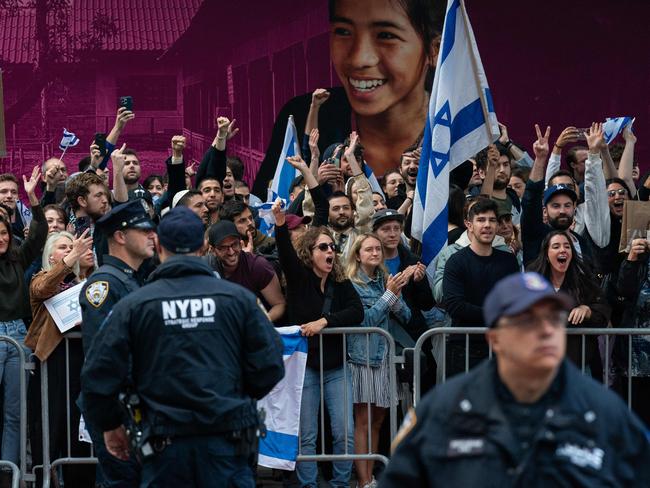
285, 173
279, 448
461, 122
68, 140
614, 126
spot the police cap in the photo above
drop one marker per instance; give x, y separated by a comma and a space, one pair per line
129, 215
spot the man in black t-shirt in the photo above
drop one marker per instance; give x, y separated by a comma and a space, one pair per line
469, 276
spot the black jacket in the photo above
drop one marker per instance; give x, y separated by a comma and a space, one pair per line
417, 294
462, 437
202, 352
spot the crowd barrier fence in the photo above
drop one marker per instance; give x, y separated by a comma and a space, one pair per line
50, 466
19, 473
606, 333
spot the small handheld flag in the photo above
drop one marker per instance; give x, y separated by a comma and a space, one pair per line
285, 173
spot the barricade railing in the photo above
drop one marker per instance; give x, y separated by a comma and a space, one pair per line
20, 472
50, 465
347, 402
571, 331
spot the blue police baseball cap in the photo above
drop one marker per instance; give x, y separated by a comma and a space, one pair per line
553, 190
129, 215
516, 293
181, 231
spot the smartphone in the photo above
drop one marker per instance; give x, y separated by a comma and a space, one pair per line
127, 103
582, 134
100, 140
81, 224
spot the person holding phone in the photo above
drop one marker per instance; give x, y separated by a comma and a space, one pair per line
384, 53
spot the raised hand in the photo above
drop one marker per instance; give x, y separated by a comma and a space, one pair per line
80, 246
118, 158
569, 134
223, 123
123, 117
95, 156
313, 144
595, 138
52, 177
319, 97
247, 246
503, 138
354, 140
628, 135
278, 213
232, 130
328, 172
178, 145
30, 184
638, 247
540, 146
298, 163
493, 155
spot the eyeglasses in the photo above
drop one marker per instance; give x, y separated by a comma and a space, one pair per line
235, 246
324, 246
529, 321
613, 193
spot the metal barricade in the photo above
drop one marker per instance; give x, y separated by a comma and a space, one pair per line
571, 331
347, 403
50, 466
19, 473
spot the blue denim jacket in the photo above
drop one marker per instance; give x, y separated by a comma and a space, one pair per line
376, 314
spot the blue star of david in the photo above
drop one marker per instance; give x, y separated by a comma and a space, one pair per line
73, 305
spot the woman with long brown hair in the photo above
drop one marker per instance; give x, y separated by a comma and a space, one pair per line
319, 296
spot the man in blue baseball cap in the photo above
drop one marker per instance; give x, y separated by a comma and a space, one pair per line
526, 417
202, 352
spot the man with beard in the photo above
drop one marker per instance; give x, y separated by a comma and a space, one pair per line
254, 241
54, 174
408, 166
469, 276
556, 205
212, 192
194, 200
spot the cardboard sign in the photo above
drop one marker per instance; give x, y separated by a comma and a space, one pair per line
636, 223
3, 141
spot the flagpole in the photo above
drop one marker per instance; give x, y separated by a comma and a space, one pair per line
63, 153
481, 93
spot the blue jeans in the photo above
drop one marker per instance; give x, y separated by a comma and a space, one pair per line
197, 462
333, 396
10, 378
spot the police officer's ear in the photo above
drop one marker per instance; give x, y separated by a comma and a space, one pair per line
492, 338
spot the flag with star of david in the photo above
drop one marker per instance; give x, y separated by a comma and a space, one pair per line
456, 127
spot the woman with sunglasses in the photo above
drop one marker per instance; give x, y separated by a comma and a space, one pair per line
559, 262
319, 296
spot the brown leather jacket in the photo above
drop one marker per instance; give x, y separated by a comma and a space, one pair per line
43, 335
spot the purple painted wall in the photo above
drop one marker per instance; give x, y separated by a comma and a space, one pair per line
556, 63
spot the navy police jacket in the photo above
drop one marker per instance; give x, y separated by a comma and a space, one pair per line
202, 351
459, 436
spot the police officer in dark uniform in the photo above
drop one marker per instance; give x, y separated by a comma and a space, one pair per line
131, 239
528, 418
202, 352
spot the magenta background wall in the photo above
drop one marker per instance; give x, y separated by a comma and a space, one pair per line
556, 63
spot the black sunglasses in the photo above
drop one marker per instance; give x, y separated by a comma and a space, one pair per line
620, 191
323, 246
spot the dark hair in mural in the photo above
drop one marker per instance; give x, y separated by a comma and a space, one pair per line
426, 16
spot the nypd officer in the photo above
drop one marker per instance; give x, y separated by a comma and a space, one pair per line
202, 352
528, 418
131, 239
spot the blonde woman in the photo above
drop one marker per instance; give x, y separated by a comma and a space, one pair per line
66, 261
380, 294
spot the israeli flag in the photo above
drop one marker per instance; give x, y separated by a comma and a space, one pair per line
461, 122
68, 140
372, 179
279, 449
614, 126
285, 173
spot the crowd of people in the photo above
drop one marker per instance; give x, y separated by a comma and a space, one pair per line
338, 253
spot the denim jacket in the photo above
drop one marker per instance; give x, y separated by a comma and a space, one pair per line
377, 307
